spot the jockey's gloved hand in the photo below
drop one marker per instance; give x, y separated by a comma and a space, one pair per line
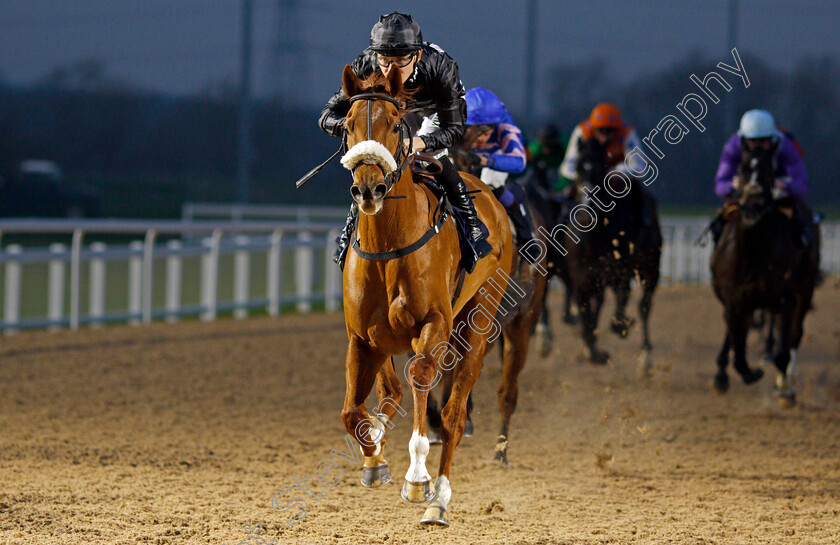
475, 159
780, 188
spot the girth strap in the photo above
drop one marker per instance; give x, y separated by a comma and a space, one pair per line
411, 248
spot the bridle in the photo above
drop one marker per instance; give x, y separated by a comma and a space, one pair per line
401, 156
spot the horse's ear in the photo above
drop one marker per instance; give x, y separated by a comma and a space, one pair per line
350, 81
393, 82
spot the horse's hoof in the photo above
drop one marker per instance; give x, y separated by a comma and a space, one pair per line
418, 492
500, 457
622, 327
570, 319
435, 515
544, 339
374, 477
501, 451
645, 364
752, 376
468, 428
786, 400
721, 382
433, 434
599, 357
786, 395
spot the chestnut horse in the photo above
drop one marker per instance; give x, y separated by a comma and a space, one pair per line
518, 320
400, 284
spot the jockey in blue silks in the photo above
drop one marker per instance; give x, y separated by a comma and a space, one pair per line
498, 144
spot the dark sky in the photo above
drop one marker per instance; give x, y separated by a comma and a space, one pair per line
189, 45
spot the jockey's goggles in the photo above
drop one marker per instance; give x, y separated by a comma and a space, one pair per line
764, 142
401, 62
484, 128
606, 131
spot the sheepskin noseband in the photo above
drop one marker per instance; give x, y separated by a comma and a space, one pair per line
369, 152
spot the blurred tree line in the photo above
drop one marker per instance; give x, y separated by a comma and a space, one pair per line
148, 153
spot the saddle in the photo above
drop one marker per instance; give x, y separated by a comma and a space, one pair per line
422, 175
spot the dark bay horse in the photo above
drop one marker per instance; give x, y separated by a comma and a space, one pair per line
617, 247
553, 211
517, 320
758, 266
400, 283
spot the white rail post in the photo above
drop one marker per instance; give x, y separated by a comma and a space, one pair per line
304, 272
332, 280
241, 277
148, 274
96, 296
210, 276
274, 274
706, 270
679, 254
665, 260
174, 270
75, 278
55, 283
135, 282
11, 289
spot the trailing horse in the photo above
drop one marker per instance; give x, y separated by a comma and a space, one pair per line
552, 211
621, 243
517, 317
402, 292
757, 265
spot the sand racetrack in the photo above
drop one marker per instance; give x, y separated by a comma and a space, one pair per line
182, 433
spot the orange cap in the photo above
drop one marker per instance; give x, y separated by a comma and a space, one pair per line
606, 116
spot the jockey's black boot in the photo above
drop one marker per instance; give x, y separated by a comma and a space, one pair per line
456, 191
716, 228
343, 239
522, 224
517, 214
802, 235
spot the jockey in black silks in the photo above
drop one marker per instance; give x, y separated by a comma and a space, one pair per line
437, 111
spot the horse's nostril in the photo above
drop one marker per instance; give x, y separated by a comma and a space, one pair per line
379, 191
355, 192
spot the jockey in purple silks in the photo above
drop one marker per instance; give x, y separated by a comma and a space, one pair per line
758, 129
500, 149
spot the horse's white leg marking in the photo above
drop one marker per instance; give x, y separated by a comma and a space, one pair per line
444, 492
376, 433
792, 370
418, 448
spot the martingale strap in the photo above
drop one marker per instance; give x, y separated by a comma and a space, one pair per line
411, 248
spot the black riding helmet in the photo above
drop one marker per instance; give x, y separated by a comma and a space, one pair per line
395, 35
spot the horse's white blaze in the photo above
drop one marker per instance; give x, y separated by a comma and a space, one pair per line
418, 448
444, 492
369, 152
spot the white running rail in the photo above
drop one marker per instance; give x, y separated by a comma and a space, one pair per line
268, 266
283, 246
